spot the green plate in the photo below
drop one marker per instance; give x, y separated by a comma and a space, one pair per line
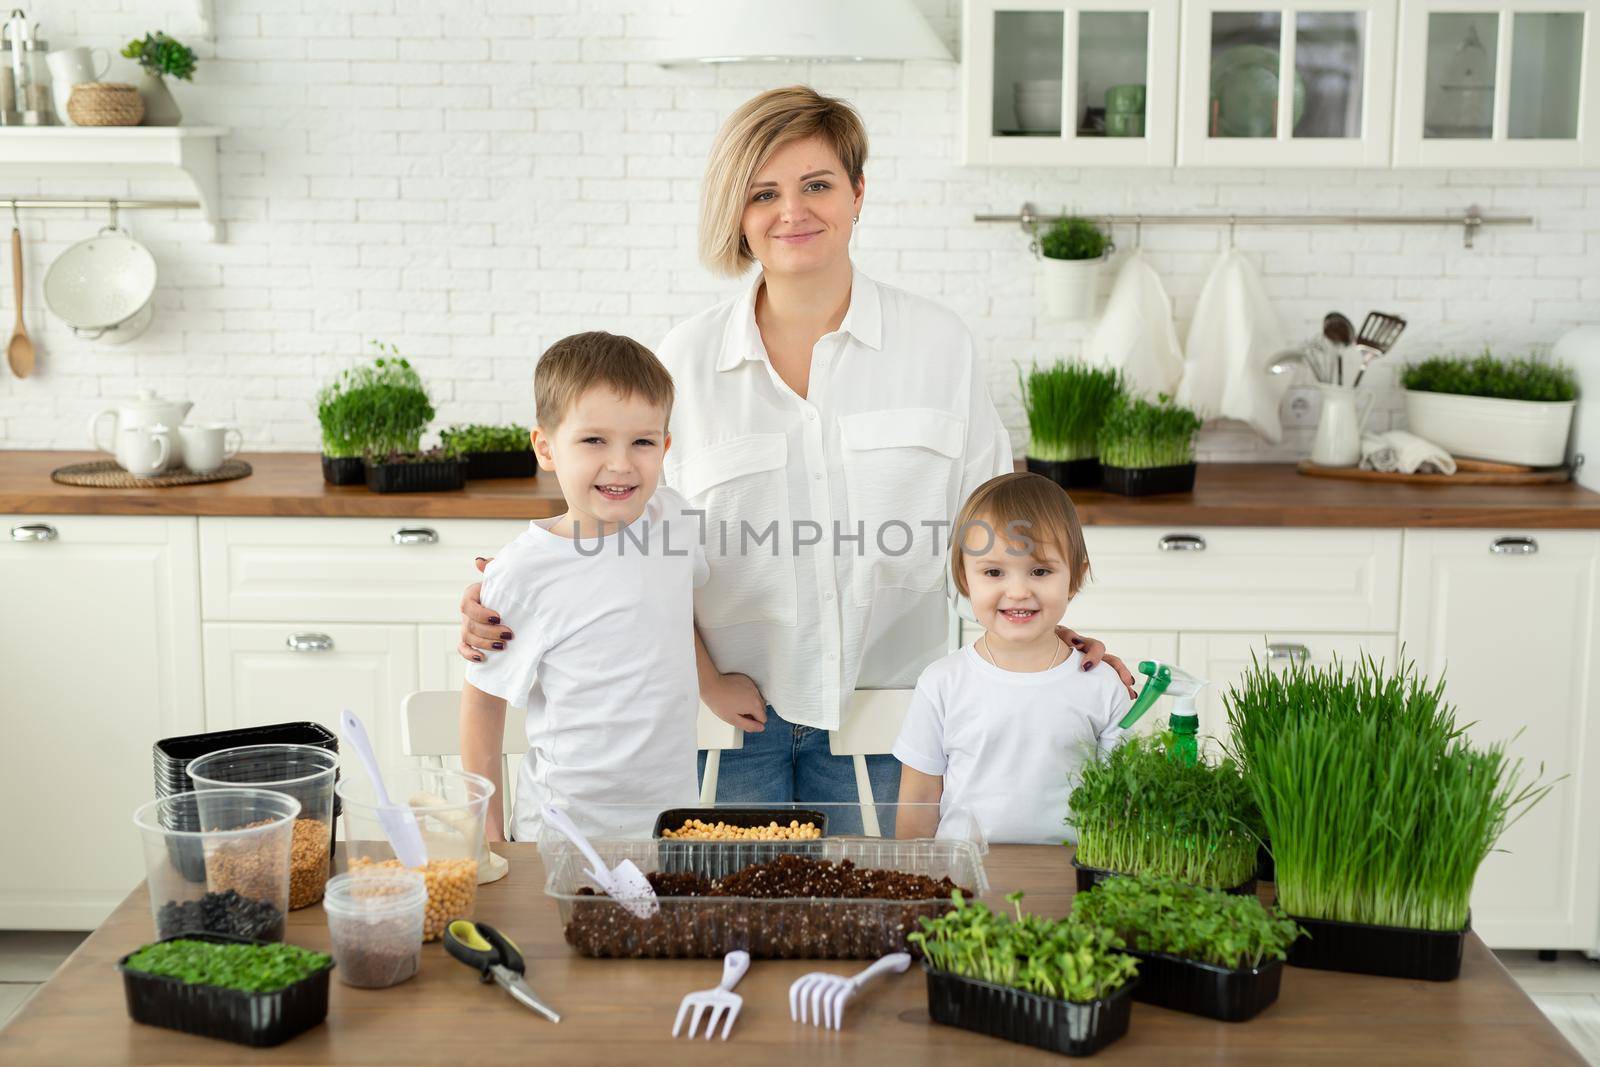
1244, 83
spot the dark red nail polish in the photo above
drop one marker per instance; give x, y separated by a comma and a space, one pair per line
494, 620
499, 644
477, 659
505, 635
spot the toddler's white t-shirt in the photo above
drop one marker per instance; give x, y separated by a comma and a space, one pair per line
603, 660
1010, 745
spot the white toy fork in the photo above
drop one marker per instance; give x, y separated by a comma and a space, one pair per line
720, 1000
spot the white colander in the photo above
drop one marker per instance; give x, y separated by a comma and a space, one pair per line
100, 283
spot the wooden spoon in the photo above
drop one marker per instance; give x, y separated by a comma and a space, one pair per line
20, 351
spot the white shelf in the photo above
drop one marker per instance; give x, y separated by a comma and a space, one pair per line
118, 151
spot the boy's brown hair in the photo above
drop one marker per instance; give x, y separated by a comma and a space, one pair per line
1025, 509
578, 363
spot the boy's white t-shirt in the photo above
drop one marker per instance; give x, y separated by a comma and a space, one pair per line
603, 661
1010, 745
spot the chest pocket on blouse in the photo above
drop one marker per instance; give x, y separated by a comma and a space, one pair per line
742, 486
899, 466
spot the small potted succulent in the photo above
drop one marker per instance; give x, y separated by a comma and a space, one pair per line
1055, 984
1066, 404
1510, 411
1148, 448
159, 56
1200, 951
1071, 252
491, 451
377, 408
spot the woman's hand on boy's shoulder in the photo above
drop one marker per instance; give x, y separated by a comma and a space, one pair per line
481, 629
1094, 653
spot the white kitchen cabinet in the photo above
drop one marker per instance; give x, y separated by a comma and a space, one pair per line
438, 666
1498, 83
99, 648
1036, 75
1511, 620
258, 673
1299, 83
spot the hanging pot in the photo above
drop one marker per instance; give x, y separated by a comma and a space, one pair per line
1070, 287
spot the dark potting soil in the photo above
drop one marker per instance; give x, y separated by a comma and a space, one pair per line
221, 913
811, 922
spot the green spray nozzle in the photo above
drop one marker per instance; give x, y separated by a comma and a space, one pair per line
1169, 679
1160, 676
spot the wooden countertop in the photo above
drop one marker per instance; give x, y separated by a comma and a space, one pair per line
621, 1011
1226, 494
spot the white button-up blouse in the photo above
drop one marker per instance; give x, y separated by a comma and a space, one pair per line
827, 516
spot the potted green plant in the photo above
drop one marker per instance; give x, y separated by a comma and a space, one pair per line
1071, 252
379, 408
1148, 448
414, 472
491, 451
159, 56
1200, 951
1066, 404
1141, 810
1379, 811
1507, 410
1055, 984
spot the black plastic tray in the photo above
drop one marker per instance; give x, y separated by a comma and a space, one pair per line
1386, 951
256, 1019
1089, 877
520, 464
1204, 988
344, 470
1068, 473
1147, 481
1063, 1026
1266, 867
434, 476
718, 859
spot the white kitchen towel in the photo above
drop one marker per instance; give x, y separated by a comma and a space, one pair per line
1403, 452
1234, 335
1136, 334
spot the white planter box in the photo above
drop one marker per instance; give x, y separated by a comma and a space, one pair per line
1070, 287
1531, 432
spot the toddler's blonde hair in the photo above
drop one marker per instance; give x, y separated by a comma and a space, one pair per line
1027, 505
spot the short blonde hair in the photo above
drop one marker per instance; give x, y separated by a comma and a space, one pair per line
1031, 506
746, 141
575, 364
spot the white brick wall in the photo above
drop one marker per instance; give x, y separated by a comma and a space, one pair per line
474, 180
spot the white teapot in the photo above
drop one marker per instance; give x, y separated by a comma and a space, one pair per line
147, 410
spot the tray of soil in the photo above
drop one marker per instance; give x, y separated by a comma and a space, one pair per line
716, 842
1089, 877
232, 989
418, 472
491, 451
1386, 951
858, 899
343, 470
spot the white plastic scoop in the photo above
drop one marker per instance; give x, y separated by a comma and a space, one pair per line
625, 883
398, 821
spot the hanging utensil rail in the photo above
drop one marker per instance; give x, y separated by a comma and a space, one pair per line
1470, 221
26, 203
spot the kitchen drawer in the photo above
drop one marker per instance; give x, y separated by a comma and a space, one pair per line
1243, 579
343, 570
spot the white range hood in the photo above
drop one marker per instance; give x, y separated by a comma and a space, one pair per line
841, 31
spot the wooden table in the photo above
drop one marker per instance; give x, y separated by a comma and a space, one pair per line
621, 1012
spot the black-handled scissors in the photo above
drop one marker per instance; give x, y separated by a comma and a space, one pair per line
496, 958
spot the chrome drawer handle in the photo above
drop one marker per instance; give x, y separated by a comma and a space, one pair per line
416, 535
1289, 652
1514, 546
1182, 543
34, 531
310, 643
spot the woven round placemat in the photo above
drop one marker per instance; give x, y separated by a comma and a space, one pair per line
105, 474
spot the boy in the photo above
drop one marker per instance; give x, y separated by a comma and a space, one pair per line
1003, 726
601, 599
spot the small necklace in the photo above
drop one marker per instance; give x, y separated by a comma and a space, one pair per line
1054, 656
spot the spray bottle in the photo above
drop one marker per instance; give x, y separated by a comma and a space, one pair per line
1170, 679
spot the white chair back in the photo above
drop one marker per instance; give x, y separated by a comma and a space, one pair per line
430, 729
869, 728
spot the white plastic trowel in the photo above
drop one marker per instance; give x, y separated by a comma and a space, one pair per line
625, 883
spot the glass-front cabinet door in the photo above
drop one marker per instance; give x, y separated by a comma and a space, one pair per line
1509, 83
1079, 84
1303, 83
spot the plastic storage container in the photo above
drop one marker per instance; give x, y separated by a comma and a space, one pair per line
257, 1019
449, 807
1387, 951
717, 859
375, 919
1068, 1027
230, 878
1231, 996
1089, 877
300, 771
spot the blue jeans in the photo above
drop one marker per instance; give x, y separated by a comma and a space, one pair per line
786, 763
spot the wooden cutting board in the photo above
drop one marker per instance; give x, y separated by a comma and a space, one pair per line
1468, 472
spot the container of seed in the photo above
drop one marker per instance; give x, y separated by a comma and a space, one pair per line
304, 772
229, 877
375, 919
449, 808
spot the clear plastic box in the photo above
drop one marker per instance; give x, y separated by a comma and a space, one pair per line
767, 927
